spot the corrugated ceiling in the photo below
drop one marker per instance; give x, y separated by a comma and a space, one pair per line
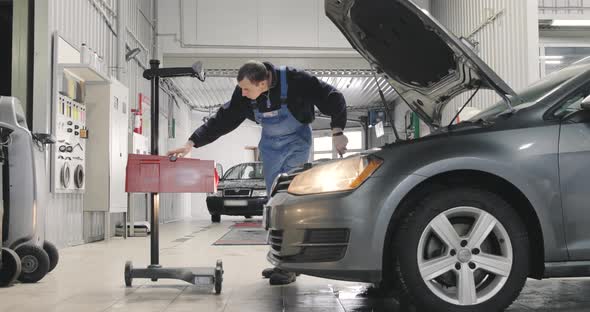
358, 87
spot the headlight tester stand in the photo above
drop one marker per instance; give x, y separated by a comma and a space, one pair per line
159, 174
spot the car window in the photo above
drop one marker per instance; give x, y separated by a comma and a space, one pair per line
536, 91
232, 173
245, 172
573, 103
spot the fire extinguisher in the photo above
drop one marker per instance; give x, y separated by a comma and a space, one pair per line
138, 116
137, 122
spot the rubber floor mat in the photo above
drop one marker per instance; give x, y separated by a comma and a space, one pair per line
243, 236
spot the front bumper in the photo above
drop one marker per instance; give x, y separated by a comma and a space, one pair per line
236, 206
328, 235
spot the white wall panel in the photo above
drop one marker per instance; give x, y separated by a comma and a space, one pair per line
220, 22
424, 4
564, 9
248, 27
509, 45
169, 11
64, 220
328, 33
187, 21
288, 23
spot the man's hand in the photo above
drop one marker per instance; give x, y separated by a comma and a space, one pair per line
182, 151
339, 140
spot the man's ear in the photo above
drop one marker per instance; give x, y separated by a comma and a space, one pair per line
262, 84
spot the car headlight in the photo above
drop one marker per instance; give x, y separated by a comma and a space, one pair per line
259, 193
344, 175
219, 193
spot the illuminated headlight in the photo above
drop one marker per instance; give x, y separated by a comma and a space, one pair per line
219, 193
344, 175
259, 193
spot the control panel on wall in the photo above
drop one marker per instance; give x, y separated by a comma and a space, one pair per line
70, 148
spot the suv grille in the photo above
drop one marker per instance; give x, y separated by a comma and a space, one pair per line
237, 192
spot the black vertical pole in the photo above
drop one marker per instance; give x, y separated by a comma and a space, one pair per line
155, 199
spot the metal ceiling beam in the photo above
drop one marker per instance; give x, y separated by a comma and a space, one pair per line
220, 72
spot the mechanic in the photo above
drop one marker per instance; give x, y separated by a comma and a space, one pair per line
282, 101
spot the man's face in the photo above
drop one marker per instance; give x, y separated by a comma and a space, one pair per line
252, 90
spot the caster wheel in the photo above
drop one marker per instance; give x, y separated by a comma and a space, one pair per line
11, 267
34, 262
215, 218
53, 254
218, 276
128, 277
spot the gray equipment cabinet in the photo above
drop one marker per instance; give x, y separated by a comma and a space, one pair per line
107, 106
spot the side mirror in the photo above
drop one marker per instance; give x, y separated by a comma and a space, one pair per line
199, 70
219, 170
585, 105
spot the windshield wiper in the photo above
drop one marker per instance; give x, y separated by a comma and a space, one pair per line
480, 121
507, 112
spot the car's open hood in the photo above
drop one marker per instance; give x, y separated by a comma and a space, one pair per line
425, 63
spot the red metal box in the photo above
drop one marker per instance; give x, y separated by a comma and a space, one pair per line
160, 174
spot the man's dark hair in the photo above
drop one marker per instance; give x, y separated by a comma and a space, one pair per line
254, 71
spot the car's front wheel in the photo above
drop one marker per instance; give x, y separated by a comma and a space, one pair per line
462, 249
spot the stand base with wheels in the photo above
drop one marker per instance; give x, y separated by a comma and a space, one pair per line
211, 276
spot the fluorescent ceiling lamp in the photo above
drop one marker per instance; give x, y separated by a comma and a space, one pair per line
552, 57
570, 23
552, 62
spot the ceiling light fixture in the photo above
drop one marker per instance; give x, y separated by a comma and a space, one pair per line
571, 23
552, 57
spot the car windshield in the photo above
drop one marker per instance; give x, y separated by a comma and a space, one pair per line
244, 172
533, 93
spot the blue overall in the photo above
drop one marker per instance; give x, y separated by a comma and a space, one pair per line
285, 142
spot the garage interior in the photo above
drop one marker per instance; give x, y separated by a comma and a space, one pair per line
68, 58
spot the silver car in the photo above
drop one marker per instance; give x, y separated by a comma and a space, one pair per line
457, 220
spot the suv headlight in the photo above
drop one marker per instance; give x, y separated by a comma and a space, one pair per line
259, 193
219, 193
344, 175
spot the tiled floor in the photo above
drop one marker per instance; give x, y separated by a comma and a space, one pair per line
90, 278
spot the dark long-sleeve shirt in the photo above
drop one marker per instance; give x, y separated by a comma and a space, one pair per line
304, 92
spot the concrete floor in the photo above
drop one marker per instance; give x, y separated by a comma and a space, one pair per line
90, 278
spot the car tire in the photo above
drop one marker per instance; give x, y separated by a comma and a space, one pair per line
215, 218
482, 267
34, 263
